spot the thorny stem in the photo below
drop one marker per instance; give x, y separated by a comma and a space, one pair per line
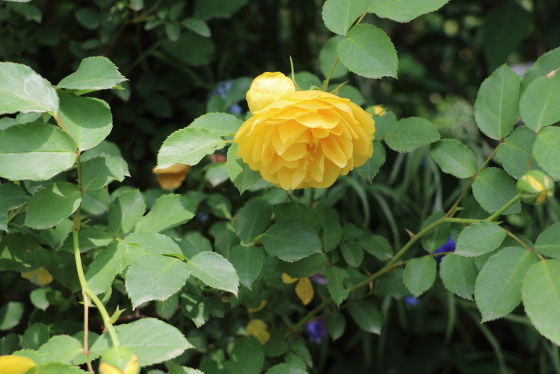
394, 261
86, 332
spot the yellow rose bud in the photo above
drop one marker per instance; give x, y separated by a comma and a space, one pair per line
171, 177
119, 360
267, 88
306, 139
535, 187
12, 364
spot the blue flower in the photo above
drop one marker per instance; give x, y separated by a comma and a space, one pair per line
316, 330
411, 300
449, 246
202, 217
222, 88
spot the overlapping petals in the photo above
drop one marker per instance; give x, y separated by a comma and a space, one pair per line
306, 139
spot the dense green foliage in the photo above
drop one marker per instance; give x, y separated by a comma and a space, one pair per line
230, 274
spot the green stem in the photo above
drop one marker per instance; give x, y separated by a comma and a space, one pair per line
503, 209
311, 196
464, 193
80, 269
327, 80
15, 213
462, 220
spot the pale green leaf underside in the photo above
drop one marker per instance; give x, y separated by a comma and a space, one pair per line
403, 10
94, 73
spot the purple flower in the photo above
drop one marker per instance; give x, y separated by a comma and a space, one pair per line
319, 278
449, 246
411, 300
235, 109
316, 330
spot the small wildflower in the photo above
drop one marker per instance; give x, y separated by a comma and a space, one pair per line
316, 330
411, 300
449, 246
319, 278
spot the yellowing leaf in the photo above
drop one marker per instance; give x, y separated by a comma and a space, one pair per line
287, 279
44, 277
304, 290
260, 307
257, 328
30, 274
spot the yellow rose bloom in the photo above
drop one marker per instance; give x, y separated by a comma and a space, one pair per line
267, 88
12, 364
306, 139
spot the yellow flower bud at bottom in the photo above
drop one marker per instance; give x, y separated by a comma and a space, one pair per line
535, 187
12, 364
119, 360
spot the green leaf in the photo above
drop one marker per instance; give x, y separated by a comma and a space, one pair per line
126, 211
410, 133
403, 10
222, 124
455, 158
215, 271
515, 151
328, 55
54, 368
438, 236
197, 26
336, 276
101, 272
340, 15
21, 253
458, 274
61, 348
303, 268
539, 104
152, 340
498, 286
369, 52
546, 151
548, 242
87, 120
94, 73
4, 205
290, 241
35, 336
35, 151
493, 189
366, 315
352, 253
383, 124
298, 211
10, 315
332, 230
188, 146
544, 65
496, 106
14, 195
239, 172
39, 298
154, 243
335, 324
100, 171
479, 238
377, 246
248, 262
89, 18
155, 277
173, 31
251, 220
541, 297
420, 274
374, 163
52, 204
168, 211
23, 90
503, 29
247, 356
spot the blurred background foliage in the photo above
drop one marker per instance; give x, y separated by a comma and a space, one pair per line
186, 58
